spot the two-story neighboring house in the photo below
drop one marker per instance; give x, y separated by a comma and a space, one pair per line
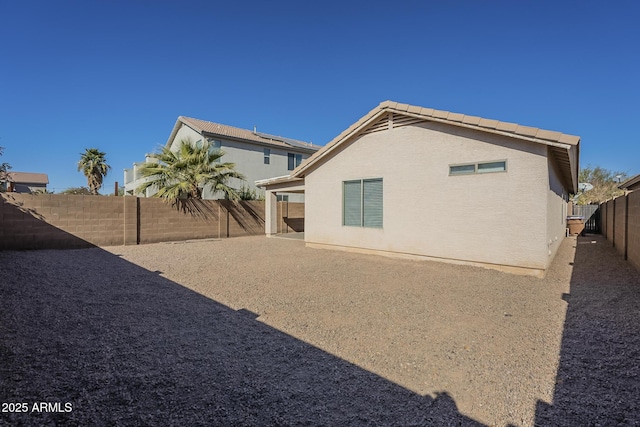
256, 155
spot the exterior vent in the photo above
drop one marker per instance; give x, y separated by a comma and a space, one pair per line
392, 121
380, 125
400, 120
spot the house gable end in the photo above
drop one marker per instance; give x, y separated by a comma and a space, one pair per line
389, 115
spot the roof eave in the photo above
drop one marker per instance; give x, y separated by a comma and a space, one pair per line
565, 141
634, 180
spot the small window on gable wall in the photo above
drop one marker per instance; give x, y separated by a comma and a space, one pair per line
267, 156
481, 167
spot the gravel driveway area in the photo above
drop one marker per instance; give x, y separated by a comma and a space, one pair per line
256, 331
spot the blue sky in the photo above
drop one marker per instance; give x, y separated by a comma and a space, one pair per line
115, 75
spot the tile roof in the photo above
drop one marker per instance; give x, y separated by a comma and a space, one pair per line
28, 178
210, 128
564, 147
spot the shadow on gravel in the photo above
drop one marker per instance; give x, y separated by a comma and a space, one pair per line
598, 381
125, 346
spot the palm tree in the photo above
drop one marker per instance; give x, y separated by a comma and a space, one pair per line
4, 171
4, 167
94, 166
184, 173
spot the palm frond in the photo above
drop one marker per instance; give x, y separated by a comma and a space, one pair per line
187, 170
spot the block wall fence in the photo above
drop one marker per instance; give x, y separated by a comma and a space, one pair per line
621, 225
57, 221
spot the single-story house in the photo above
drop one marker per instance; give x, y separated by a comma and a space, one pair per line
26, 182
421, 183
257, 155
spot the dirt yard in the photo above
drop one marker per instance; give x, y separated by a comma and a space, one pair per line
255, 331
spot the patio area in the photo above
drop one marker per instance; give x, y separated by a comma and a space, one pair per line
264, 331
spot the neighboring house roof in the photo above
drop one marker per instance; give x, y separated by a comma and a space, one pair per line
632, 183
27, 178
215, 129
564, 147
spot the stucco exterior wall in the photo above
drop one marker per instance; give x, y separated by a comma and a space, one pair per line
556, 210
429, 213
185, 133
249, 160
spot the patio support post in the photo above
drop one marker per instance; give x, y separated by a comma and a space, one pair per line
271, 213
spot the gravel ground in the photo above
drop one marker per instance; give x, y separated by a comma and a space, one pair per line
255, 331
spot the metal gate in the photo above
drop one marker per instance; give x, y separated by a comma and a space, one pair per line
591, 215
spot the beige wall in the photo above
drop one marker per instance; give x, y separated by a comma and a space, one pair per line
426, 211
556, 211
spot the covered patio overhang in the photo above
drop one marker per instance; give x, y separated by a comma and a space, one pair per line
273, 186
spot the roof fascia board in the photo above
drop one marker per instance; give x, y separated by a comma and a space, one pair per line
175, 130
489, 130
386, 109
630, 182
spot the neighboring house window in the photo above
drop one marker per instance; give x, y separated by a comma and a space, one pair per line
282, 197
294, 160
362, 203
267, 156
215, 145
484, 167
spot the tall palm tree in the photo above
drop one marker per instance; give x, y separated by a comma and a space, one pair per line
94, 166
185, 172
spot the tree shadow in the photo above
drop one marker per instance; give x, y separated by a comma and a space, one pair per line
126, 346
598, 380
197, 208
249, 217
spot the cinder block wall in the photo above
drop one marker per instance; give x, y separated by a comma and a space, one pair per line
160, 222
70, 221
621, 225
633, 232
610, 219
50, 221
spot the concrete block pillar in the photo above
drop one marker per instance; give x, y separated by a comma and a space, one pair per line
131, 219
271, 213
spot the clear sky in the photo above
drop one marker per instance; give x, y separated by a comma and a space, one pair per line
115, 74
